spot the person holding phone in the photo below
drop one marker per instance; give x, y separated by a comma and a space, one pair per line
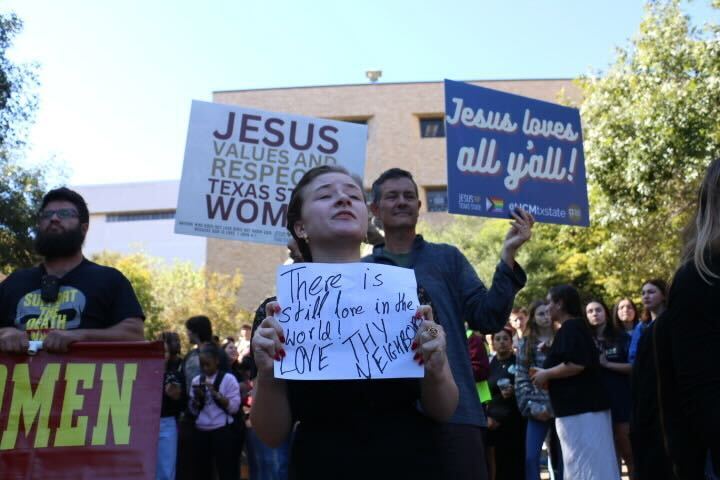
214, 399
170, 408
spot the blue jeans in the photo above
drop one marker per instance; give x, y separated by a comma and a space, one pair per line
267, 463
536, 433
167, 449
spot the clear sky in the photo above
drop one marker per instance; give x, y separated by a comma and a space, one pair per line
117, 77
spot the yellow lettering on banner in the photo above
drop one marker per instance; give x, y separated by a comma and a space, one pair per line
31, 324
30, 406
115, 402
67, 435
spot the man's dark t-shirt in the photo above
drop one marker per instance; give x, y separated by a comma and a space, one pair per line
89, 296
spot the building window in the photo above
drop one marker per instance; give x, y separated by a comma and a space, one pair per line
437, 200
141, 216
432, 127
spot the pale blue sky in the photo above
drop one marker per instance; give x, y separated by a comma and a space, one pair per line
117, 77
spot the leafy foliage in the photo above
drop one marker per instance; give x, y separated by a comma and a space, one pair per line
651, 127
170, 295
21, 189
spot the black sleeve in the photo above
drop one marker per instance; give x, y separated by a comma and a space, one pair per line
623, 346
694, 335
6, 319
125, 302
573, 344
487, 310
260, 316
424, 299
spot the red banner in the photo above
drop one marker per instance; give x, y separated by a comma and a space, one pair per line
92, 413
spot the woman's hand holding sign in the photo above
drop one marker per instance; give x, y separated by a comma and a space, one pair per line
268, 342
429, 343
439, 391
270, 403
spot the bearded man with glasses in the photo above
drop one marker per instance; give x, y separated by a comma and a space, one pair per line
66, 298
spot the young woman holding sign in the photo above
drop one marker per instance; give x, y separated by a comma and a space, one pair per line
353, 428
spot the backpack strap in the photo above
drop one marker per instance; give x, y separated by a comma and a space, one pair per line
216, 384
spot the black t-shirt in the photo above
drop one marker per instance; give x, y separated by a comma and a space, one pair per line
617, 384
580, 393
90, 296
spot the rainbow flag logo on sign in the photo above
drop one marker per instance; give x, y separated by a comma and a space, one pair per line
495, 204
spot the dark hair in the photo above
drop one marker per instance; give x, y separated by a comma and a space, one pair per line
531, 333
616, 318
67, 195
246, 363
570, 298
245, 326
610, 330
391, 174
506, 329
200, 325
662, 286
212, 349
172, 343
294, 212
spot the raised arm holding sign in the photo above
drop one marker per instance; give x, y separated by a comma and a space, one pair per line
347, 320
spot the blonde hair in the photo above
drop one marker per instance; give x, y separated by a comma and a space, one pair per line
702, 234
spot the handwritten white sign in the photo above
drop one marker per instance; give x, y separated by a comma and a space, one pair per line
347, 321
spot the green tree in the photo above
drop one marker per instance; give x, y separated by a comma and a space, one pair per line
141, 271
184, 291
481, 242
652, 125
169, 295
21, 189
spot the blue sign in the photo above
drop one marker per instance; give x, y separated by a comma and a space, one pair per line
506, 151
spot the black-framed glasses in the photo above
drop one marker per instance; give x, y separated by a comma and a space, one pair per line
62, 213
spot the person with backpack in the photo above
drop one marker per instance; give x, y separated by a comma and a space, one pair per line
215, 401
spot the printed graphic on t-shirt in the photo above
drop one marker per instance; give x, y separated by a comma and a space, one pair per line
37, 317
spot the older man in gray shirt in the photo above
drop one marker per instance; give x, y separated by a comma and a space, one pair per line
458, 296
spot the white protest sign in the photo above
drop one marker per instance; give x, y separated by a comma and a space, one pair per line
347, 321
242, 164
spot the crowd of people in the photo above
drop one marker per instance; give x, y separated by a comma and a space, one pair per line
600, 388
